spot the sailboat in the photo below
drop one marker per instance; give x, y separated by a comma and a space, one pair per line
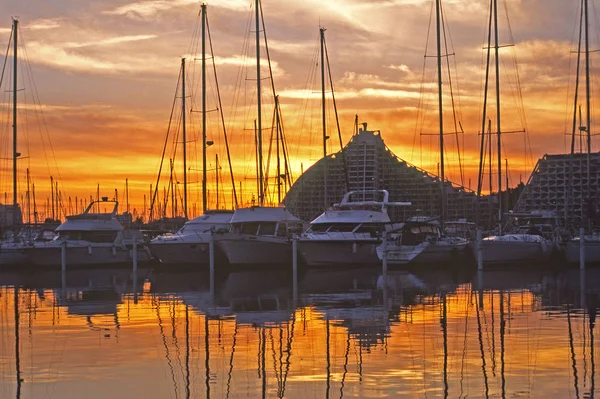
260, 234
11, 251
592, 239
190, 244
505, 248
423, 240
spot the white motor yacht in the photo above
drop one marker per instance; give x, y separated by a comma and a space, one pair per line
190, 244
349, 232
94, 237
420, 241
259, 235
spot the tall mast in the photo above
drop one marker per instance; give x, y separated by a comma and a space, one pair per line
322, 31
258, 98
28, 199
203, 7
127, 195
15, 154
499, 134
235, 201
52, 195
569, 195
438, 12
35, 214
587, 92
185, 203
277, 137
484, 118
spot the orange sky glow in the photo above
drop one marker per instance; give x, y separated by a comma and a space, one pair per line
98, 80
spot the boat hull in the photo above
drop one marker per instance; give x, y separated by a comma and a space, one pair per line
338, 253
592, 251
514, 252
255, 250
399, 255
441, 253
181, 253
12, 256
84, 255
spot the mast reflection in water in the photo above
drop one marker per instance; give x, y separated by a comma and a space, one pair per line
352, 334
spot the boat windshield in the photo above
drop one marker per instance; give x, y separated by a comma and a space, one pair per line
333, 227
90, 236
416, 234
203, 228
267, 229
364, 207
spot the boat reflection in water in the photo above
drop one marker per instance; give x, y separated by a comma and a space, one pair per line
356, 333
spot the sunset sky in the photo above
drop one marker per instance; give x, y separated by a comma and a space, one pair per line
106, 74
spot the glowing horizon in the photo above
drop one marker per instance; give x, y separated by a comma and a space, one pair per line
102, 79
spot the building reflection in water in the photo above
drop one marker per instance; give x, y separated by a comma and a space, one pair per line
354, 333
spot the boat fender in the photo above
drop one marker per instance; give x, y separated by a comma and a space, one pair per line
114, 251
353, 247
89, 250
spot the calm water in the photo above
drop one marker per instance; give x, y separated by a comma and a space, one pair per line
428, 334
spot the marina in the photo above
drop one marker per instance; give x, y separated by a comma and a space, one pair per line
378, 208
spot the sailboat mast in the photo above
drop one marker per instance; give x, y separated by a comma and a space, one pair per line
569, 195
35, 214
277, 137
438, 12
484, 118
217, 169
259, 106
322, 32
127, 195
185, 203
203, 7
15, 154
587, 91
499, 134
28, 199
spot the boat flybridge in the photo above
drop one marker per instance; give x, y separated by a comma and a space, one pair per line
94, 237
190, 244
349, 232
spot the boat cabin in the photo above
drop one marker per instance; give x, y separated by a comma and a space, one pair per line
414, 233
264, 221
373, 229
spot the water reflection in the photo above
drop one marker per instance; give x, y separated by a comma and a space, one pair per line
355, 333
